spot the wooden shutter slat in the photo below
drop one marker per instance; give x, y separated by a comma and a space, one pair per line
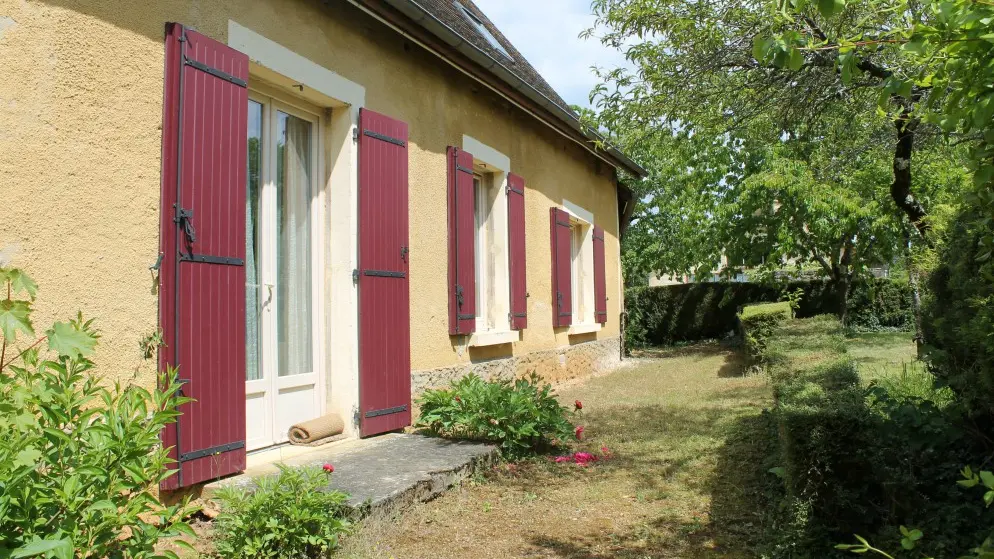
462, 243
600, 281
516, 251
202, 239
562, 289
384, 288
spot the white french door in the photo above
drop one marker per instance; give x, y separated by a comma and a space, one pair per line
282, 378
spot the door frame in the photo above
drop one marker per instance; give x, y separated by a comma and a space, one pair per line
275, 99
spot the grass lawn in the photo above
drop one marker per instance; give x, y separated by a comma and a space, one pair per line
882, 354
682, 428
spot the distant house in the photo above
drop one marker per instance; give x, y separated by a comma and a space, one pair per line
325, 206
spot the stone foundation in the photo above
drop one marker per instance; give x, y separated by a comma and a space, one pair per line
553, 365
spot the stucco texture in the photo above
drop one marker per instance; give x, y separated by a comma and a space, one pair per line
80, 133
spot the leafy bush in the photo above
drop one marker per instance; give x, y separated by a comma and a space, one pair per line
758, 323
866, 460
959, 313
522, 417
675, 313
79, 461
290, 515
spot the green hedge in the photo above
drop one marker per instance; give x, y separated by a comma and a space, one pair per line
959, 314
758, 323
698, 311
828, 458
859, 459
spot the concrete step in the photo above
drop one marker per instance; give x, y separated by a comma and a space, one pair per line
385, 474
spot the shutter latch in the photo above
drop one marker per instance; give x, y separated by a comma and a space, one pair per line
184, 218
459, 295
355, 275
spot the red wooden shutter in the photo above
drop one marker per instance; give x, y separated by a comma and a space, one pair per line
202, 278
562, 268
600, 281
516, 251
384, 288
462, 243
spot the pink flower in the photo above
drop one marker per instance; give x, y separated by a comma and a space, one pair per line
605, 451
578, 405
328, 468
579, 432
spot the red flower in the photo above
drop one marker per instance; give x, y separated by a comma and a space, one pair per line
578, 405
605, 451
328, 468
579, 433
458, 400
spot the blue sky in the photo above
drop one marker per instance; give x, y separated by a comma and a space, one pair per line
547, 33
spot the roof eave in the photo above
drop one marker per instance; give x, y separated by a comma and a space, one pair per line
592, 141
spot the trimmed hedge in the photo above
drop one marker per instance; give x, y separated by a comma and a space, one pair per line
757, 323
670, 314
859, 459
827, 435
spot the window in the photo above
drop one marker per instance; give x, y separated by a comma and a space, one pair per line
482, 30
581, 251
491, 254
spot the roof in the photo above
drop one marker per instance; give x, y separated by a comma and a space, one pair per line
448, 11
503, 65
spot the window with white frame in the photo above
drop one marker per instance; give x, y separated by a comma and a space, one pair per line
582, 273
491, 249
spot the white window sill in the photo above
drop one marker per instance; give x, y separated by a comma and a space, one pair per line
494, 337
577, 329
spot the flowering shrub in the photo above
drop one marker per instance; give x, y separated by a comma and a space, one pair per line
522, 417
79, 461
290, 515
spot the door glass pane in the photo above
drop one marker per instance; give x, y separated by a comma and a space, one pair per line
253, 309
293, 258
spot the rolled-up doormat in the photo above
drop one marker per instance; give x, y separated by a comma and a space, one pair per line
323, 427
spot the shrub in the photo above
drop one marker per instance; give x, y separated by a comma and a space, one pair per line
757, 323
689, 312
79, 461
865, 460
290, 515
522, 417
959, 313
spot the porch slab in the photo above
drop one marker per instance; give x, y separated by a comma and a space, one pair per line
387, 473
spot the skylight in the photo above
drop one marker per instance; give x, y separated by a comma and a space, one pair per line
482, 29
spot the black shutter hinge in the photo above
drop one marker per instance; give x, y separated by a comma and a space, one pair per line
355, 133
355, 275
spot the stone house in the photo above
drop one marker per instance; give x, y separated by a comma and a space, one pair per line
323, 206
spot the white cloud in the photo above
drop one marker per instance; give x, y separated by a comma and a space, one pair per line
547, 33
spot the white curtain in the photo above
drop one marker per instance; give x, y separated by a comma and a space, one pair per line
253, 311
294, 245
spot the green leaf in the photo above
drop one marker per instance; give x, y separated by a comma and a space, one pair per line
796, 59
829, 8
60, 548
15, 316
19, 282
988, 478
67, 341
27, 458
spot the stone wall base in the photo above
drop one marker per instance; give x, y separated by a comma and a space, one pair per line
553, 365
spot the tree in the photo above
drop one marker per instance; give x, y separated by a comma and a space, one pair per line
715, 67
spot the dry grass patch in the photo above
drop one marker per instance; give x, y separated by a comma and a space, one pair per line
683, 480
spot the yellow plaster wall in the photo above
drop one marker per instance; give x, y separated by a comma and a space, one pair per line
80, 126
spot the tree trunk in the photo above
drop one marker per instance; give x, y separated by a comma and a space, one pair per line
843, 285
916, 301
900, 189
